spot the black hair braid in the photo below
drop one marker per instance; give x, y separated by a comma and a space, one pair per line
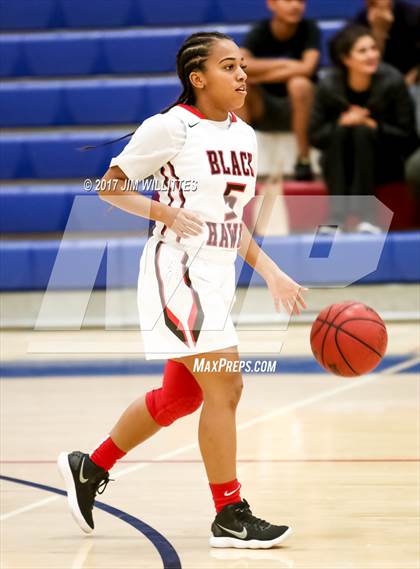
189, 60
191, 56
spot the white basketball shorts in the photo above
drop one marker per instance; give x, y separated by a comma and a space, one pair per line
185, 296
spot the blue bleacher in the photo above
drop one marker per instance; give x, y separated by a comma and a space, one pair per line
62, 208
92, 53
89, 47
110, 52
70, 102
84, 102
50, 14
54, 155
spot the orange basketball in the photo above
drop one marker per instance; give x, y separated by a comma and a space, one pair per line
348, 338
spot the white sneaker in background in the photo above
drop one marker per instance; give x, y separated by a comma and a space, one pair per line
366, 227
328, 230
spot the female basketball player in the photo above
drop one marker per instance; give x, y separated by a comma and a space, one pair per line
186, 282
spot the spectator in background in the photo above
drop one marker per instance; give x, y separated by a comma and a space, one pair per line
282, 57
362, 121
396, 28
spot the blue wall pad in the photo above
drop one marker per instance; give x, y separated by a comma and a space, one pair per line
107, 52
53, 209
83, 264
44, 14
85, 102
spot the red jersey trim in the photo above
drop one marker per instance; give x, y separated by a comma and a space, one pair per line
192, 110
197, 113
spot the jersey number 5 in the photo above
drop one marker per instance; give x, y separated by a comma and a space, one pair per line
231, 200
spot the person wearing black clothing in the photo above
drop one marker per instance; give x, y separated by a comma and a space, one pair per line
362, 121
282, 56
396, 27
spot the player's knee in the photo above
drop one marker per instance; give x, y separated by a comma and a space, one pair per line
235, 395
165, 409
300, 86
230, 395
191, 403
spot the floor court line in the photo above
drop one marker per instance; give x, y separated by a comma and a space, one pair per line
239, 460
82, 555
353, 383
167, 552
28, 508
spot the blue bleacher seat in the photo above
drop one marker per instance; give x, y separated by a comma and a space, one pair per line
85, 102
71, 102
242, 10
181, 12
52, 205
21, 14
97, 13
59, 53
56, 155
91, 53
59, 208
110, 52
48, 14
333, 9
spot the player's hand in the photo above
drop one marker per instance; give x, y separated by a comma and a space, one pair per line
183, 222
285, 291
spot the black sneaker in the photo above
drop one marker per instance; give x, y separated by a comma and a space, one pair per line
235, 526
83, 480
303, 170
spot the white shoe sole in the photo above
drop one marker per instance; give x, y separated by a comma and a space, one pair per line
65, 471
250, 544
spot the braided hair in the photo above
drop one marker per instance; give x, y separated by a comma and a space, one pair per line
191, 56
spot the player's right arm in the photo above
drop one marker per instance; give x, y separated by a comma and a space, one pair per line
155, 142
115, 192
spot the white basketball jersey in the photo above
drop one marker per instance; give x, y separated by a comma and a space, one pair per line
214, 175
201, 165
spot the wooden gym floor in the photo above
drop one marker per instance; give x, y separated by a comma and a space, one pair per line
337, 459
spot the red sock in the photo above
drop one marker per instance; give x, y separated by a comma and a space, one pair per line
226, 493
107, 454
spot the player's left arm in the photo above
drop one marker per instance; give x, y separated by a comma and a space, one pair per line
284, 289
